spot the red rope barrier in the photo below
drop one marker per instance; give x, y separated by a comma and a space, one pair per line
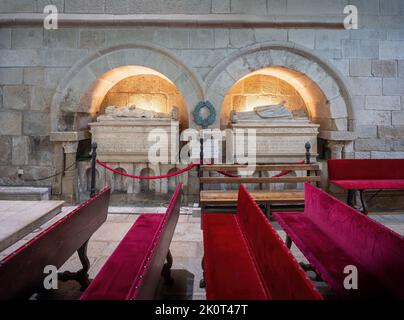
284, 173
228, 174
192, 165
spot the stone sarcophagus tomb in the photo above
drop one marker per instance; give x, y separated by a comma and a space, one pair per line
123, 142
122, 133
280, 134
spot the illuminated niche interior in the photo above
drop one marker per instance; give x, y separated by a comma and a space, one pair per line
136, 85
273, 86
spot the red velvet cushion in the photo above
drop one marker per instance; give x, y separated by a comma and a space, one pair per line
369, 184
331, 235
246, 259
116, 279
328, 259
230, 273
281, 273
122, 274
365, 169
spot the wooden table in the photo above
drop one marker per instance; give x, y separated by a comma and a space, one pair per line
18, 218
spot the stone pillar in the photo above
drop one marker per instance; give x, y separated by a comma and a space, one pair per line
128, 167
164, 169
336, 141
69, 180
138, 167
109, 175
65, 145
336, 148
58, 167
156, 168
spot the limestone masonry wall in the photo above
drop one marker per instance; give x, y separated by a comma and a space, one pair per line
35, 64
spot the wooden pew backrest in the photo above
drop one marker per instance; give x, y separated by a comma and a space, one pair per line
282, 274
23, 271
376, 247
367, 169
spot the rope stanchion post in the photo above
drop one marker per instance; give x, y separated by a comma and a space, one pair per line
307, 146
200, 172
93, 163
308, 155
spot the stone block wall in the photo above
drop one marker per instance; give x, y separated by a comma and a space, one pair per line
33, 61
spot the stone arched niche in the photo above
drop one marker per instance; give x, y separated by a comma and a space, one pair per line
140, 86
277, 85
302, 68
307, 72
83, 88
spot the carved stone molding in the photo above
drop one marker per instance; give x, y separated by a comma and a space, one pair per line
336, 148
337, 142
184, 20
70, 147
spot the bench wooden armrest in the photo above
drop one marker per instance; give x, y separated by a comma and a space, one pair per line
258, 195
215, 180
261, 167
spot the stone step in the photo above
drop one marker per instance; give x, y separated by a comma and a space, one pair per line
18, 218
24, 193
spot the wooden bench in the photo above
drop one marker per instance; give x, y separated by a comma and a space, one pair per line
22, 272
244, 258
311, 173
366, 174
333, 235
134, 269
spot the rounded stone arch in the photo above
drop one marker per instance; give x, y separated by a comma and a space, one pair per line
87, 180
172, 182
120, 183
292, 61
74, 97
148, 185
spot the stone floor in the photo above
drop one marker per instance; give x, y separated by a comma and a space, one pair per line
186, 248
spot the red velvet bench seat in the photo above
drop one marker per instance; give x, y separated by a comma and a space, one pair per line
135, 267
366, 174
333, 235
244, 258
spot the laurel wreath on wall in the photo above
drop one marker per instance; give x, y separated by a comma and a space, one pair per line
199, 120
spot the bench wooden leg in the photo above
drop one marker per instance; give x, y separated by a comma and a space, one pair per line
350, 198
268, 210
363, 203
308, 267
166, 272
80, 276
288, 242
351, 202
202, 284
